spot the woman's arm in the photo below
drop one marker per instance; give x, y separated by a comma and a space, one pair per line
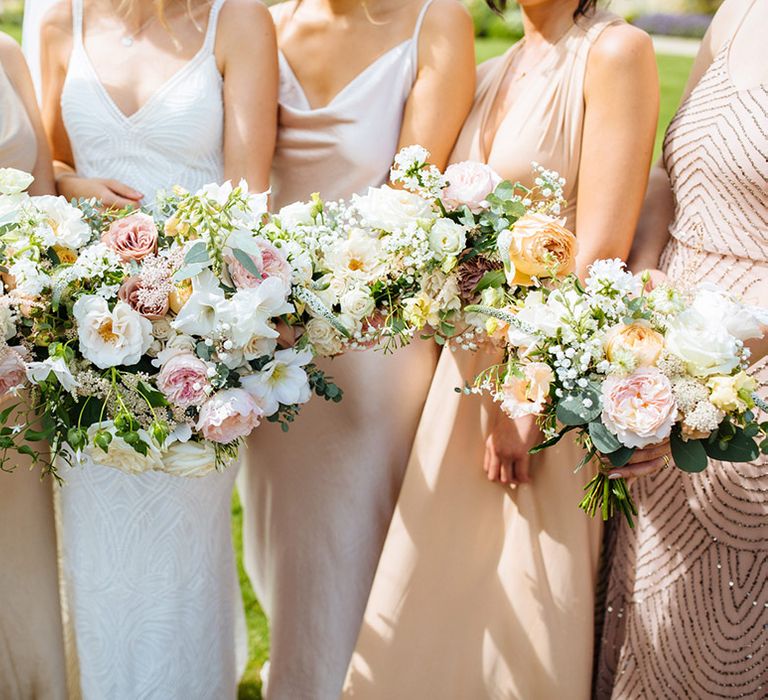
56, 46
16, 68
621, 92
248, 62
445, 86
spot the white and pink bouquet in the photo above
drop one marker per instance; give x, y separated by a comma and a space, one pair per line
144, 340
626, 369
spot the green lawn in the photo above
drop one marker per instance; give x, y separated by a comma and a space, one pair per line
673, 71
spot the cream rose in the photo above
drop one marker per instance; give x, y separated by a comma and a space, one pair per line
120, 455
537, 246
637, 340
639, 409
324, 338
190, 459
469, 183
526, 395
357, 302
13, 181
110, 338
132, 237
296, 214
62, 224
447, 238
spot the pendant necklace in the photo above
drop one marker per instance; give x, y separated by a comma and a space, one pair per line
128, 39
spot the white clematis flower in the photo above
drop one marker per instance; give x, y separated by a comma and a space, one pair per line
40, 371
281, 381
204, 308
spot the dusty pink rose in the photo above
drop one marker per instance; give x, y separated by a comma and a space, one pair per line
132, 237
229, 415
13, 372
526, 395
183, 379
272, 264
639, 409
469, 183
146, 302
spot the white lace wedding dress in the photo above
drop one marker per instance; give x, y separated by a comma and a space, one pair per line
148, 564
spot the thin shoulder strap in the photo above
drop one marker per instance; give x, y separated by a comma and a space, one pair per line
210, 31
77, 22
420, 20
415, 39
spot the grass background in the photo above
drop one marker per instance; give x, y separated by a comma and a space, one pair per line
673, 72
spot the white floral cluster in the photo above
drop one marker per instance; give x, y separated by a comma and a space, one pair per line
413, 171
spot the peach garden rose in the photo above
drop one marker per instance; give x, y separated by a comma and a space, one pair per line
637, 340
639, 408
132, 237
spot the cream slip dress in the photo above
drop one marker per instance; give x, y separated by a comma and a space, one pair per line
318, 500
31, 639
149, 567
484, 591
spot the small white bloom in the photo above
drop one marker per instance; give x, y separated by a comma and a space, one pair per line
281, 381
202, 312
40, 371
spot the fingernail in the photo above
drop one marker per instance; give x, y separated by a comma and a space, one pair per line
613, 477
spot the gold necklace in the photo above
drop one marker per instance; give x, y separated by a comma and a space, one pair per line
128, 39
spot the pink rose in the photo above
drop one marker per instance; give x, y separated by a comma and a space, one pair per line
526, 395
132, 237
229, 415
639, 409
469, 183
13, 371
149, 303
184, 380
272, 264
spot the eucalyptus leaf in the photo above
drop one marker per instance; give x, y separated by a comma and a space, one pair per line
190, 271
198, 253
571, 409
602, 438
740, 448
244, 240
247, 262
689, 455
621, 457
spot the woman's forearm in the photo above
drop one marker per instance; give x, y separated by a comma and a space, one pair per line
653, 226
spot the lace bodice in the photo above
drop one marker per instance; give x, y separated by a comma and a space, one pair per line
175, 138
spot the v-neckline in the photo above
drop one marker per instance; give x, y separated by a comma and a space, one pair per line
155, 95
347, 86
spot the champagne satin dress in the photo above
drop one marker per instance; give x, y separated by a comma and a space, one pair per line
687, 607
484, 591
31, 638
318, 500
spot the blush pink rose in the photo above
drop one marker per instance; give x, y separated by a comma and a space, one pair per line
639, 409
13, 371
272, 264
469, 183
132, 237
183, 379
229, 415
148, 303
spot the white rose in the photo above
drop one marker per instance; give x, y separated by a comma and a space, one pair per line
249, 311
61, 224
323, 337
120, 455
189, 459
703, 343
14, 181
110, 338
11, 205
7, 324
447, 238
296, 214
357, 302
359, 256
719, 308
389, 209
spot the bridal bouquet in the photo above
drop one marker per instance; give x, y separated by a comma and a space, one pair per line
148, 340
627, 369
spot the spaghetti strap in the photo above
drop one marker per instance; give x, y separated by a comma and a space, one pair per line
77, 22
210, 31
415, 37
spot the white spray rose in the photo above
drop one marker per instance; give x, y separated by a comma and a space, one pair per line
703, 343
61, 223
388, 209
447, 238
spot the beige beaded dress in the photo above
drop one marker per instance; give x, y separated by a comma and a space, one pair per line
483, 591
318, 499
687, 608
31, 646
